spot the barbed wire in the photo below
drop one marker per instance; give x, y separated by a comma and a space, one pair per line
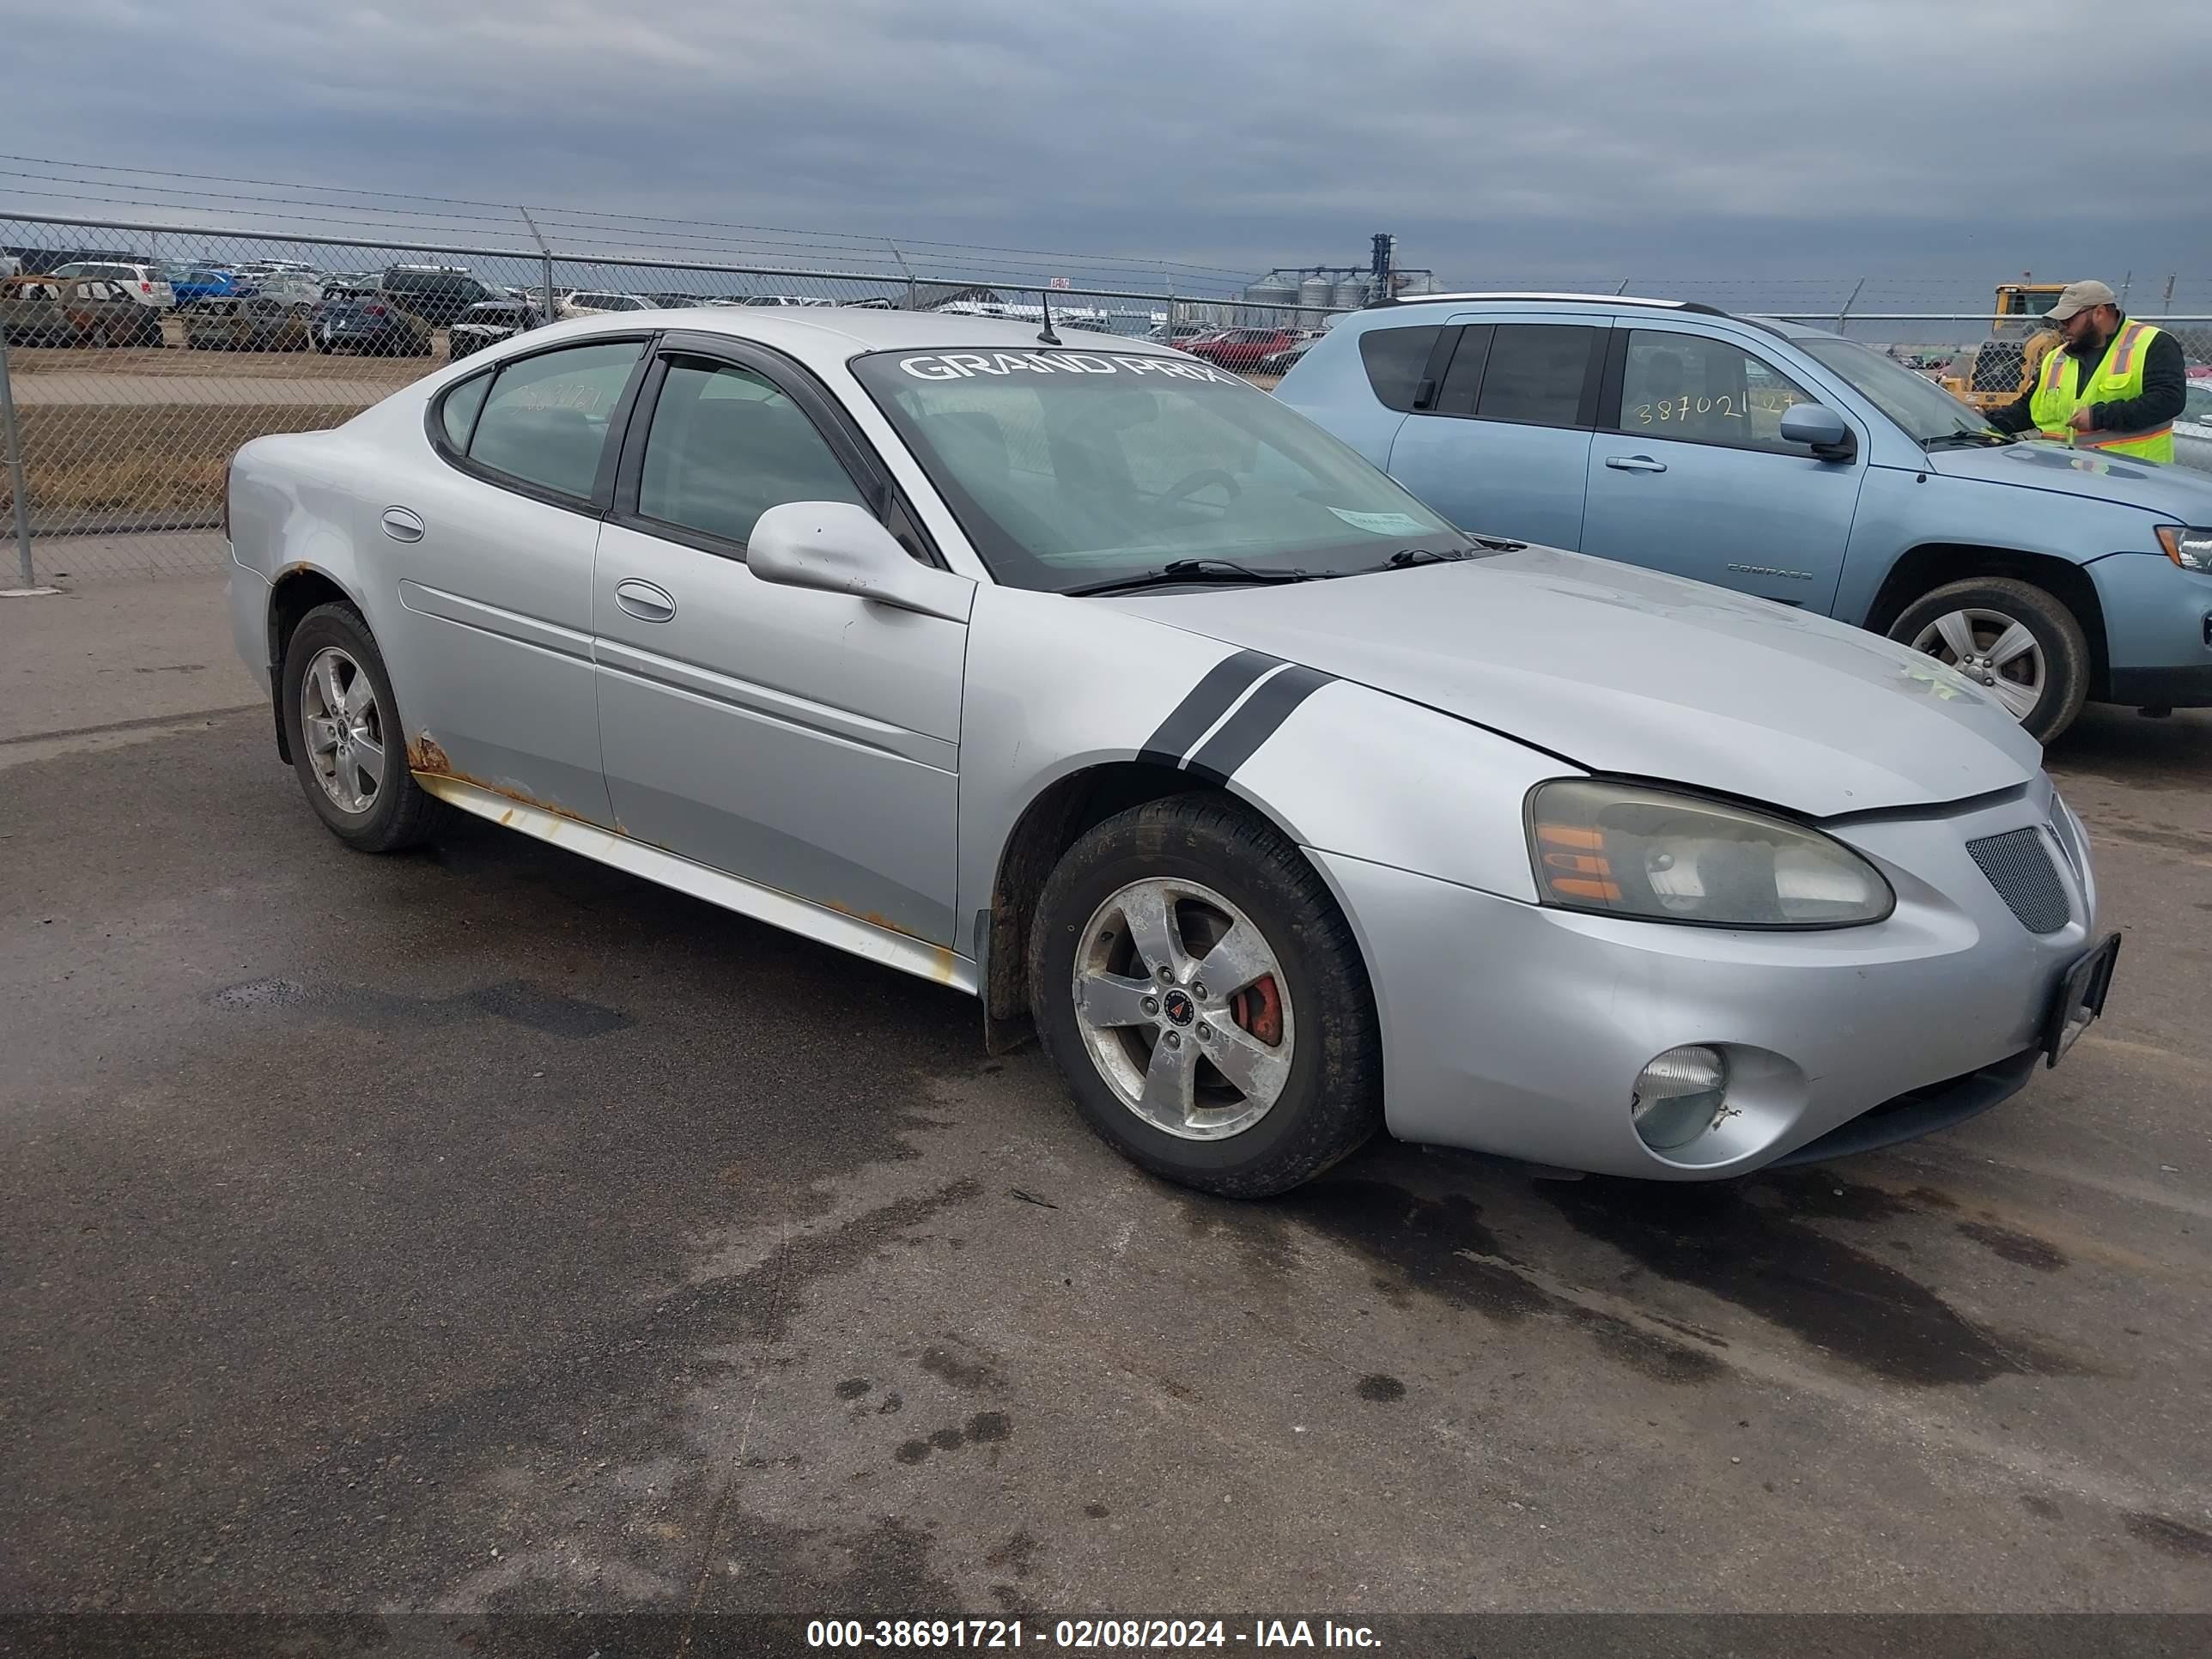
371, 225
507, 210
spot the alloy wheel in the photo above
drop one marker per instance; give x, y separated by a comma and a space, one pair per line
1184, 1009
344, 729
1993, 650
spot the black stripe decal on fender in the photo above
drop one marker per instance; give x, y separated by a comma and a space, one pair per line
1208, 702
1242, 734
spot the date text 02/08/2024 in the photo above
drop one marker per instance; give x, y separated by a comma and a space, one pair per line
1084, 1634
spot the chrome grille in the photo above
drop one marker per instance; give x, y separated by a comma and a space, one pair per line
2018, 864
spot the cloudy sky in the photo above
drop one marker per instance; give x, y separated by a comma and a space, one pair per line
1707, 138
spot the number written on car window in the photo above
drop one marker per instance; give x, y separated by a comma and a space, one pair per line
1705, 391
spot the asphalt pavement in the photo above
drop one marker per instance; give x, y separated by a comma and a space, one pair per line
481, 1229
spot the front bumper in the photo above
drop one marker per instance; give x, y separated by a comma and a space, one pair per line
2157, 630
1515, 1029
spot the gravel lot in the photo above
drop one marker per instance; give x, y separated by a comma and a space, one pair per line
484, 1229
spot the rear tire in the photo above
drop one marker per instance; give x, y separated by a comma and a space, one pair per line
331, 655
1300, 1084
1985, 607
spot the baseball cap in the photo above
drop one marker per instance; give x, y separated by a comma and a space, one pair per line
2080, 297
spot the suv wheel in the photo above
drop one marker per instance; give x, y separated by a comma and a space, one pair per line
2011, 637
1202, 997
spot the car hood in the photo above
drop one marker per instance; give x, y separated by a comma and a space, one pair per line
2183, 496
1626, 671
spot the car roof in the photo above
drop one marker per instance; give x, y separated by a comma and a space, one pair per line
822, 336
1494, 295
1777, 325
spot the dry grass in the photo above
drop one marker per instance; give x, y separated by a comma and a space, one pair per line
174, 362
143, 465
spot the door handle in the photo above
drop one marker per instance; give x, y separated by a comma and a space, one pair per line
402, 525
1635, 464
644, 601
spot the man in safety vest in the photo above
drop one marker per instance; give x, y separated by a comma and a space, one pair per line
2112, 385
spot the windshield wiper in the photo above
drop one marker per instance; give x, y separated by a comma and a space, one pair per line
1406, 558
1176, 572
1987, 438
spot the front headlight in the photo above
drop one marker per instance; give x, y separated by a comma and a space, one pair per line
2190, 549
1622, 850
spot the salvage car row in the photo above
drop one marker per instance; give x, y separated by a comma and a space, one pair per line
285, 305
1075, 674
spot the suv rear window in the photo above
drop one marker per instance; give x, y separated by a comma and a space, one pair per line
1396, 359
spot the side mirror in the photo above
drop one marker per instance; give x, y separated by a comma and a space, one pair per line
839, 548
1821, 429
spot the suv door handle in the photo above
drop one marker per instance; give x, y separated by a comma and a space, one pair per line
402, 525
644, 601
1634, 464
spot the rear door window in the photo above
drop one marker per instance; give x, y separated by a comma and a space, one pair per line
1537, 373
547, 418
1462, 380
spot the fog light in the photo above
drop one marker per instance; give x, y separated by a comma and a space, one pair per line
1678, 1097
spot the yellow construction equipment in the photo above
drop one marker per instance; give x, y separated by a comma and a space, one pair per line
2004, 366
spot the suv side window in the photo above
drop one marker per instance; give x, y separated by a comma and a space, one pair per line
1536, 373
547, 418
1463, 375
1396, 359
726, 445
1697, 390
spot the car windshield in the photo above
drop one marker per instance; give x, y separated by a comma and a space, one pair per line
2197, 402
1924, 408
1071, 468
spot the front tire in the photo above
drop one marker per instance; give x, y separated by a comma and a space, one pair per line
347, 743
2012, 637
1203, 998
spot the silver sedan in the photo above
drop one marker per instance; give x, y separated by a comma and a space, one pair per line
1079, 676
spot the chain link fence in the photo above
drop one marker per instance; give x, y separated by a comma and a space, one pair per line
139, 357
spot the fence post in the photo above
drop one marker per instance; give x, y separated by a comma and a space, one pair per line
903, 266
13, 437
1844, 316
543, 250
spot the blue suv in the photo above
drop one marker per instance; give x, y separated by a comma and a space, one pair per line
1786, 462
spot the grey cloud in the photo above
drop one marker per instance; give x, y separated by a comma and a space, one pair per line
1719, 138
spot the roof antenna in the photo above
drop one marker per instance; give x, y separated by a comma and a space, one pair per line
1045, 335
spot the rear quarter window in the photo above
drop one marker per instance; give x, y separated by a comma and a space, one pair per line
1396, 359
457, 412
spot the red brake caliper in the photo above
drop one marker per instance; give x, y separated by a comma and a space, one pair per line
1258, 1009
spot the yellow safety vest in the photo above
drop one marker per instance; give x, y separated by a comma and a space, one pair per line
2119, 377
